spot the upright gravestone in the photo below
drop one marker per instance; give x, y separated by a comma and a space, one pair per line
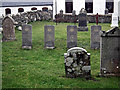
77, 63
82, 23
106, 11
49, 37
71, 36
8, 29
110, 52
27, 36
95, 36
0, 25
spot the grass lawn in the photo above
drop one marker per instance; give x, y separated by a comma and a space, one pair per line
42, 68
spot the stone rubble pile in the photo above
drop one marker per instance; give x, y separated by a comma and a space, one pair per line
31, 16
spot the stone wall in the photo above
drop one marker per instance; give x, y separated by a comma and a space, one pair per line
31, 16
90, 18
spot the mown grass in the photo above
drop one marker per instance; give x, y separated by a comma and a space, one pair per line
42, 68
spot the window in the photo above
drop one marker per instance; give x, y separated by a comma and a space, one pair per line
68, 6
110, 6
45, 9
7, 11
89, 6
34, 8
20, 10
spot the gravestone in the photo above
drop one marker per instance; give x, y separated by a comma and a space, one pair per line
0, 25
110, 52
49, 37
95, 36
71, 36
77, 63
8, 29
27, 36
73, 13
106, 11
82, 23
61, 12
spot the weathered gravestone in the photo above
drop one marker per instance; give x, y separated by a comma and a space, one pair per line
95, 36
0, 25
77, 63
49, 37
110, 52
27, 36
106, 11
8, 29
82, 23
73, 13
71, 36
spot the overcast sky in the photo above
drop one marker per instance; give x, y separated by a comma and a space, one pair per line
26, 0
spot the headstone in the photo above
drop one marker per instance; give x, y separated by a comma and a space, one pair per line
0, 25
110, 52
77, 63
95, 36
27, 36
61, 12
71, 36
49, 37
8, 29
73, 13
106, 11
82, 23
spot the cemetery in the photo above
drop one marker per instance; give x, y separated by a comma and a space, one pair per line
42, 67
67, 51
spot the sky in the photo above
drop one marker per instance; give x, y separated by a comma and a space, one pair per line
26, 0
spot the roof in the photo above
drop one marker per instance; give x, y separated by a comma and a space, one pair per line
16, 4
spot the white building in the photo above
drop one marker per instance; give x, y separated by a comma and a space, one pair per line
15, 6
91, 6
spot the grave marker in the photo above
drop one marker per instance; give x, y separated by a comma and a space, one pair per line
77, 63
8, 29
82, 23
95, 36
27, 36
71, 36
110, 52
49, 37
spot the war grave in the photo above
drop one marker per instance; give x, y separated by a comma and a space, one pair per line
65, 60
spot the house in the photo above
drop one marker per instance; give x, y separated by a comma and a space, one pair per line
91, 6
18, 6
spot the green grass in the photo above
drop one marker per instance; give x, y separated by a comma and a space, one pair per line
42, 68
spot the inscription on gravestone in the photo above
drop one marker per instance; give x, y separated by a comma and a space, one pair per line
8, 29
95, 36
77, 63
27, 36
49, 37
82, 23
110, 52
71, 36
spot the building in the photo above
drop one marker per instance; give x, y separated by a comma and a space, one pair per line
17, 6
91, 6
